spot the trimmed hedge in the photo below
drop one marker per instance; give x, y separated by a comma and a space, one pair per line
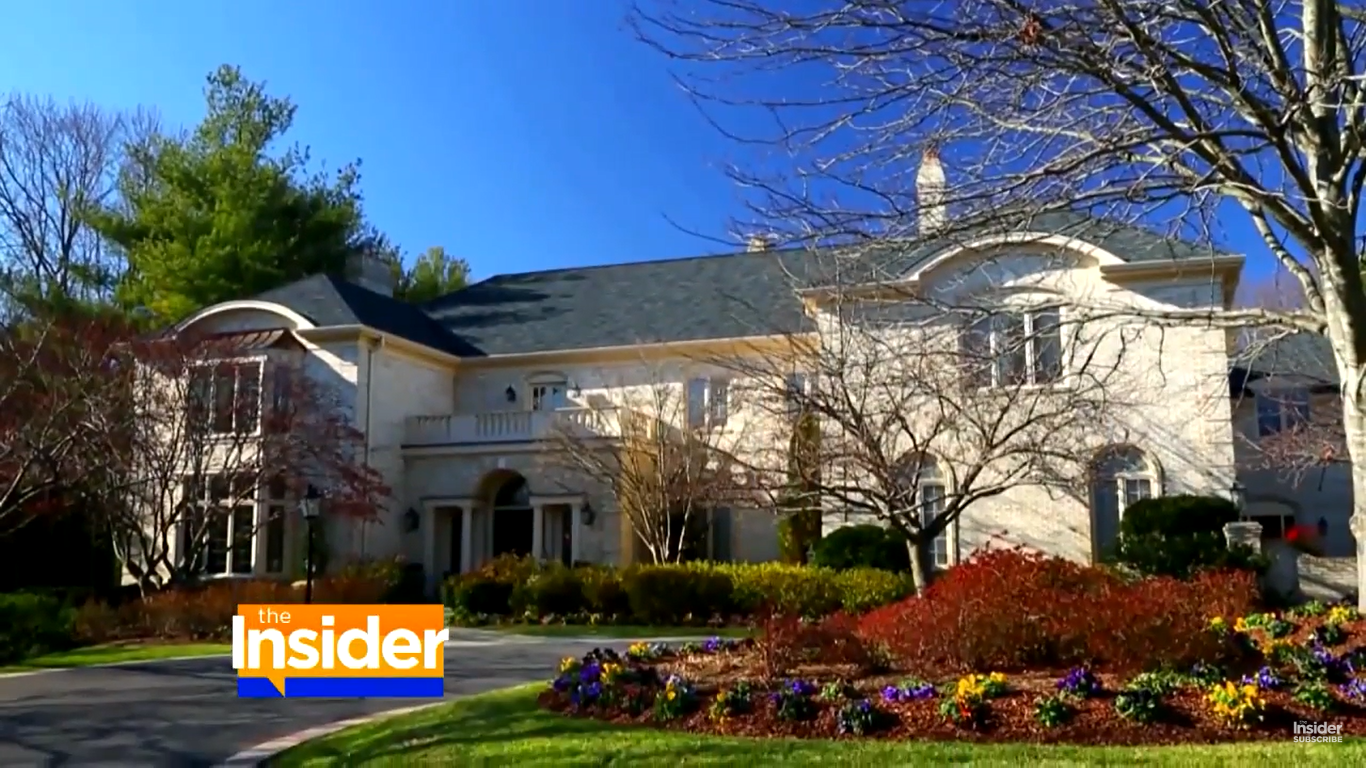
664, 595
33, 624
863, 546
1179, 535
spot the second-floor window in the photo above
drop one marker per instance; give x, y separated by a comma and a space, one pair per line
1011, 349
1281, 411
794, 393
708, 401
225, 399
548, 395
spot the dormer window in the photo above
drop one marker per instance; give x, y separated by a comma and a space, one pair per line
1013, 348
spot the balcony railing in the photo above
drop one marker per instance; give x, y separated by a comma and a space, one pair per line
509, 426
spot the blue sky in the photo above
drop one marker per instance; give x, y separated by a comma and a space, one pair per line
521, 137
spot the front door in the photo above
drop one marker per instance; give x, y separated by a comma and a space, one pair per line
512, 529
457, 540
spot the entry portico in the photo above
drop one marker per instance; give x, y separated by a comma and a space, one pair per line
504, 516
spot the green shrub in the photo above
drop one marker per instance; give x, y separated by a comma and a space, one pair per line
674, 594
555, 591
798, 534
863, 589
603, 592
477, 593
862, 546
1178, 535
31, 625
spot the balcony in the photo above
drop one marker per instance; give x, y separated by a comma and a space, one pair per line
508, 426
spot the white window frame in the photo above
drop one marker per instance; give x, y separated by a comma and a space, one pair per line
1289, 406
1121, 480
930, 506
993, 332
541, 389
714, 409
204, 504
210, 414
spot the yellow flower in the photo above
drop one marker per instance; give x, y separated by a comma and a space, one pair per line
1339, 614
1240, 625
670, 694
1218, 624
996, 677
568, 663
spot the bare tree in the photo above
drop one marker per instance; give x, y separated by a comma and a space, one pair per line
210, 431
55, 388
1179, 111
661, 450
928, 404
57, 163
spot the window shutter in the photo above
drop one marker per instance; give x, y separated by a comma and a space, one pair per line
718, 402
720, 534
697, 402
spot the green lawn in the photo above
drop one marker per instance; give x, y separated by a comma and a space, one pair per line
506, 728
617, 632
108, 654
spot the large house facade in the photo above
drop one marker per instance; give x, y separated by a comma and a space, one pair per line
459, 398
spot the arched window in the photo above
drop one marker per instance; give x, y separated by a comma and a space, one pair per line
922, 473
513, 494
1120, 476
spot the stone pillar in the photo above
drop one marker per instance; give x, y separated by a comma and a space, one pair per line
575, 529
428, 528
538, 532
1245, 532
1358, 525
466, 534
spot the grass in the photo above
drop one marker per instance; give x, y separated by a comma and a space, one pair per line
506, 728
109, 654
617, 632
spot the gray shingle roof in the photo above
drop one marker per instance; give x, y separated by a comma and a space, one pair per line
1298, 354
708, 297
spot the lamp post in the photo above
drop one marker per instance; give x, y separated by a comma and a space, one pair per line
1237, 493
309, 506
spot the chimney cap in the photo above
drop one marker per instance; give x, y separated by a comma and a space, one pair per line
931, 151
759, 242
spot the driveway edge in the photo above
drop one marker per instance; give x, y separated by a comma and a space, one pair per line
260, 753
107, 664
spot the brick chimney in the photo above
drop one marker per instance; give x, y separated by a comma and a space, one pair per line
930, 189
758, 243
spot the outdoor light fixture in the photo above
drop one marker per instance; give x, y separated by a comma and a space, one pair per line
309, 505
511, 394
1237, 493
411, 520
586, 515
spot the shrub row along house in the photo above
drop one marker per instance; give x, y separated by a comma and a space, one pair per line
1011, 385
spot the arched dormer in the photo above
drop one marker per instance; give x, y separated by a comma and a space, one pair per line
1086, 253
245, 315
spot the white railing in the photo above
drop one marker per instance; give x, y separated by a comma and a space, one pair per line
508, 426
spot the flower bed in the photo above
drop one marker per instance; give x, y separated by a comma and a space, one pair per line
1297, 666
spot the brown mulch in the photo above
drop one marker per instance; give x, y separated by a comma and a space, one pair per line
1186, 718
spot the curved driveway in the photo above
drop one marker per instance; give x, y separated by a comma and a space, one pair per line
186, 713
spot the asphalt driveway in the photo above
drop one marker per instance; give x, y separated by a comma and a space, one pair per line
186, 713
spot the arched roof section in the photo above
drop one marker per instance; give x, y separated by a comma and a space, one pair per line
1083, 249
297, 321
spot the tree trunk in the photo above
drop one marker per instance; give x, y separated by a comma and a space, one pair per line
920, 573
1345, 332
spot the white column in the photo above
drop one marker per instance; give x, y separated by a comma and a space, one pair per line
538, 532
428, 528
466, 534
575, 527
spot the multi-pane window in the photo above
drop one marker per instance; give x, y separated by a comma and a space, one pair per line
548, 396
1010, 349
1281, 411
1122, 477
708, 401
794, 393
923, 475
221, 525
226, 398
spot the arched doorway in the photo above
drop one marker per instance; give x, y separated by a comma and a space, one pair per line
511, 516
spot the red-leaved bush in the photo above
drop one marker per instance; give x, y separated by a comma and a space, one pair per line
1010, 610
788, 640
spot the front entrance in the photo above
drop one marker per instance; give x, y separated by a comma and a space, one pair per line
513, 519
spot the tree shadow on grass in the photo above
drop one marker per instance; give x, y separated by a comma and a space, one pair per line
507, 726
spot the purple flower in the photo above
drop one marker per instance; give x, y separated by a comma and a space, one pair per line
1080, 682
590, 672
908, 691
1354, 689
562, 684
592, 691
802, 688
1265, 679
714, 644
891, 693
